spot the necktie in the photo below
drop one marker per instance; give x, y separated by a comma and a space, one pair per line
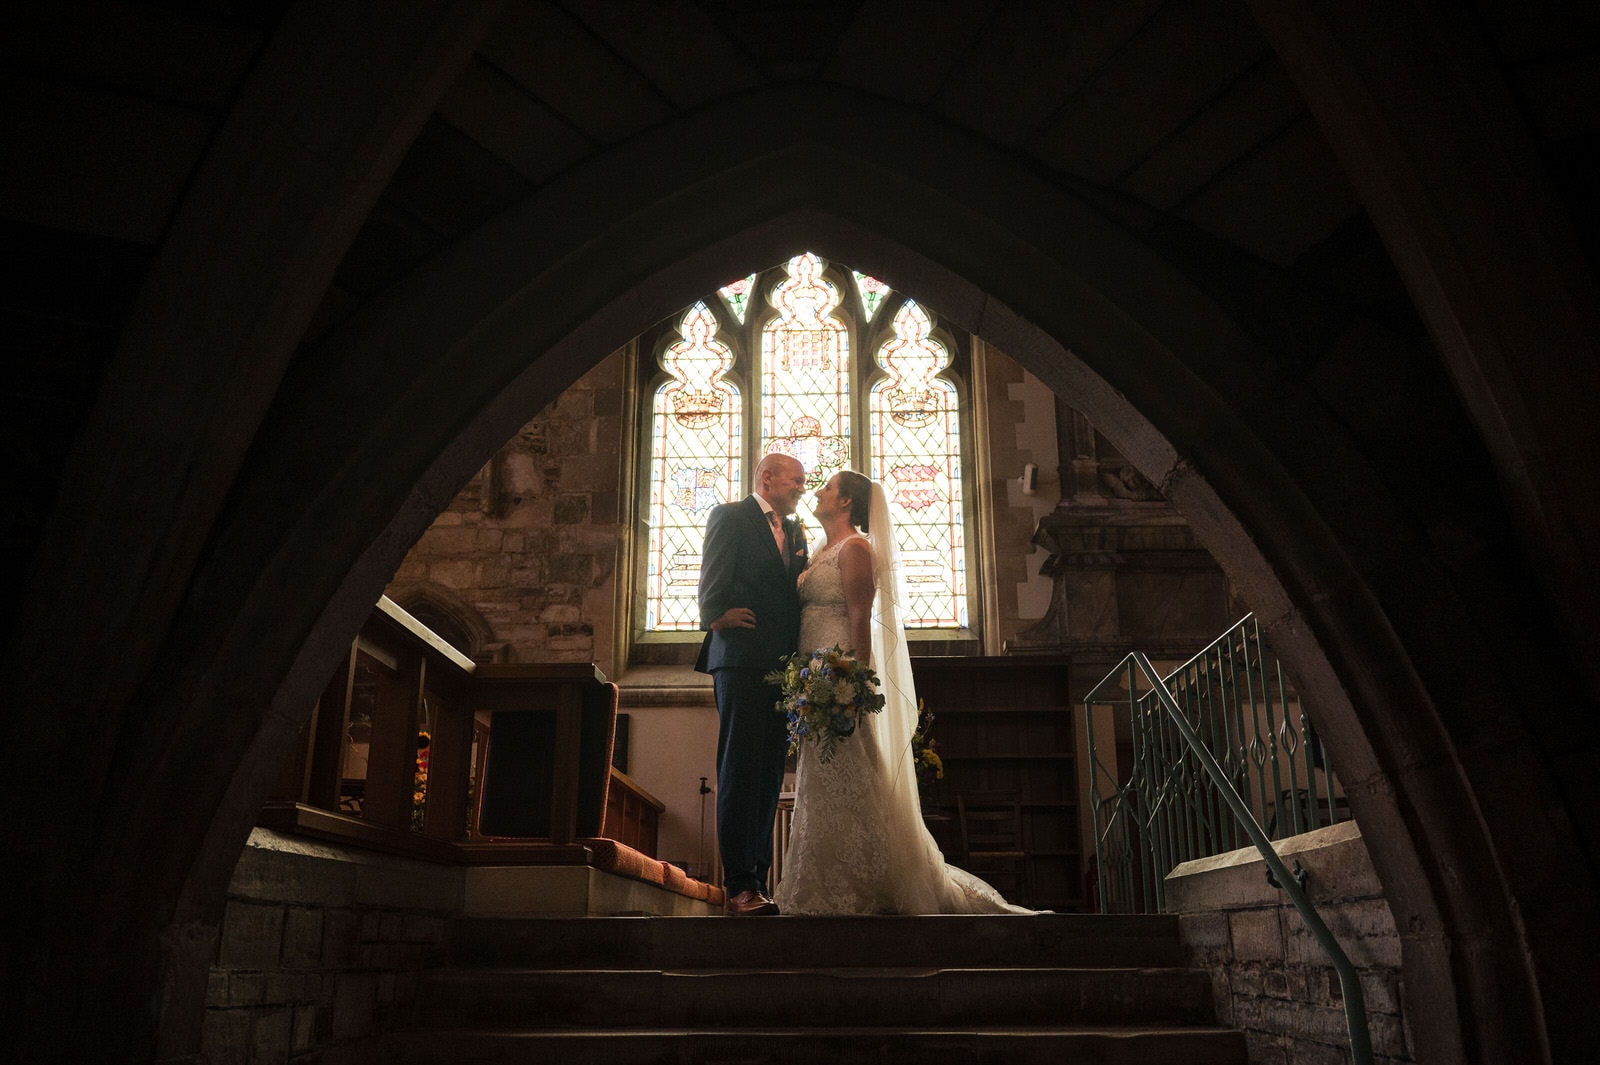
777, 531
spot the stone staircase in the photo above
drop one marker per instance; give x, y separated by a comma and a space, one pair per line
967, 990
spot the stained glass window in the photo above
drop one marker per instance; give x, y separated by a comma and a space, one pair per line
695, 464
805, 373
872, 292
737, 296
914, 418
793, 348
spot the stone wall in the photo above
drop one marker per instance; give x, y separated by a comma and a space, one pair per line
521, 566
1269, 976
321, 946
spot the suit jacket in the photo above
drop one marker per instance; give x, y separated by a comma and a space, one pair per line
741, 566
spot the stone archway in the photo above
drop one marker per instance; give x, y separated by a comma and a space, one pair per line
326, 506
1242, 459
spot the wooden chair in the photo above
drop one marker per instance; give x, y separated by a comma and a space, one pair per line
989, 826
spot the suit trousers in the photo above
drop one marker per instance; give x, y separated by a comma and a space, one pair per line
752, 744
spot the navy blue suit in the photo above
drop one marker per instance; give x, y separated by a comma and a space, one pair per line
743, 567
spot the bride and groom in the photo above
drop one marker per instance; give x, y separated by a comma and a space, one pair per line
857, 844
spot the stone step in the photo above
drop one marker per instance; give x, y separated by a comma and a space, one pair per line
900, 997
808, 1046
1056, 988
659, 943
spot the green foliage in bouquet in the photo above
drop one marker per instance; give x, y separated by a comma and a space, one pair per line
825, 693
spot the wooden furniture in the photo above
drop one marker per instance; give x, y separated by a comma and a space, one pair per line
633, 815
549, 764
413, 742
1008, 724
359, 753
989, 831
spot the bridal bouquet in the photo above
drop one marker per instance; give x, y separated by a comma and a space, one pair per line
825, 692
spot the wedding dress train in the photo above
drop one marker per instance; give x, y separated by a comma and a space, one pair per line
857, 843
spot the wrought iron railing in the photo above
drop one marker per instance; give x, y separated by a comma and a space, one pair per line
1153, 804
1208, 752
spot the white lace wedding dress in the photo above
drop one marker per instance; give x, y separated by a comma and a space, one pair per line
857, 844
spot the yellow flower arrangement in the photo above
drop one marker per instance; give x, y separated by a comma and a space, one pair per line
924, 748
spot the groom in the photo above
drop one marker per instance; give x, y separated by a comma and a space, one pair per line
754, 551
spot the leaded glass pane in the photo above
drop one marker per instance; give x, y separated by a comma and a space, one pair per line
694, 465
737, 296
873, 292
915, 428
805, 374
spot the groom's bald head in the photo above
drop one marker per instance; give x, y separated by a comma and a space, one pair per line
780, 480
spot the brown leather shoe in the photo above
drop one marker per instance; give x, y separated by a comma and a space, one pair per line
751, 904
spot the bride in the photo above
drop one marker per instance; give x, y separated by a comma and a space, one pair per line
857, 843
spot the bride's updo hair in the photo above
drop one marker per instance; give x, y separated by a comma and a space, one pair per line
858, 489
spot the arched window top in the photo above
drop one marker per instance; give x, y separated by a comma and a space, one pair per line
887, 412
806, 373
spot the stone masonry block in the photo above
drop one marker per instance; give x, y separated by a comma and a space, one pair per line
1257, 935
453, 573
283, 989
1364, 929
355, 998
1305, 1052
1324, 1024
252, 936
272, 1032
493, 573
448, 542
1382, 991
571, 509
269, 874
217, 987
1389, 1036
1300, 983
424, 928
246, 989
302, 938
305, 1028
1246, 980
341, 933
594, 473
226, 1036
1275, 983
1265, 1048
1204, 935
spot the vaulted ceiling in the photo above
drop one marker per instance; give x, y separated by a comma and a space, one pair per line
1173, 117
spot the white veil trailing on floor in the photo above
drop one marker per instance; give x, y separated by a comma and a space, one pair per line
922, 882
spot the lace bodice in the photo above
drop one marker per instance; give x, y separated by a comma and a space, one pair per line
823, 620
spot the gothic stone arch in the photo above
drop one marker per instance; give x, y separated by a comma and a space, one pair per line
363, 443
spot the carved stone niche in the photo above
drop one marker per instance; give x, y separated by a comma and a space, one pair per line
1127, 572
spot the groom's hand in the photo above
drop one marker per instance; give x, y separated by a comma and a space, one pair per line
737, 617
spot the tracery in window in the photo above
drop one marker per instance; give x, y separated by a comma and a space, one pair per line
916, 454
805, 373
696, 451
872, 292
891, 415
736, 294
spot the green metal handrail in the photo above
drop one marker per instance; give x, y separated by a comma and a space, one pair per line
1175, 804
